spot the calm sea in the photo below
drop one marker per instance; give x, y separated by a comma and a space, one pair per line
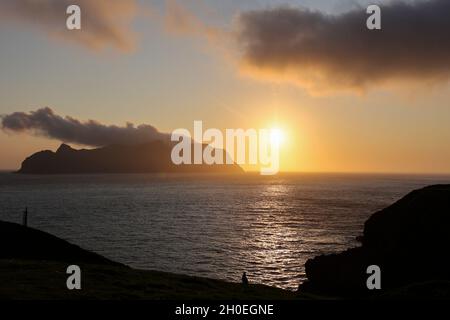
213, 226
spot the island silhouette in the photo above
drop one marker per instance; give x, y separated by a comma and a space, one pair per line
150, 157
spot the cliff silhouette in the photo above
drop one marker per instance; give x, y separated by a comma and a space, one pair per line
152, 157
409, 241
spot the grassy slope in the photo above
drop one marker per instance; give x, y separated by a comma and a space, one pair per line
23, 279
33, 266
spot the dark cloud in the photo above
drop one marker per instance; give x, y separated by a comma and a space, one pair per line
323, 52
44, 122
105, 23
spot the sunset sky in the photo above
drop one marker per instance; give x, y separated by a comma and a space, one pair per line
345, 101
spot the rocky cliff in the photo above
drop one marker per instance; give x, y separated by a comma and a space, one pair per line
409, 241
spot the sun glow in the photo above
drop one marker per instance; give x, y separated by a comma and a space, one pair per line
276, 137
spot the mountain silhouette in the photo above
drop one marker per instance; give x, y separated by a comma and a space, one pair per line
151, 157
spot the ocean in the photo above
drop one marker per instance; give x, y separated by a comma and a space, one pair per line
211, 226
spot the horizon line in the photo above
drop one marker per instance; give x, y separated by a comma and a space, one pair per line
9, 170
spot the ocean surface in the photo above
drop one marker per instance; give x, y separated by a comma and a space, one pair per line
213, 226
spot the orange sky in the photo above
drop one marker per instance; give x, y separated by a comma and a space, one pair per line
171, 78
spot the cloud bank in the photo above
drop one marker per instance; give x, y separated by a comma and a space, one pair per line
105, 23
44, 122
327, 52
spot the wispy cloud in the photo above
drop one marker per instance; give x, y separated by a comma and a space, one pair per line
105, 23
327, 52
179, 20
46, 123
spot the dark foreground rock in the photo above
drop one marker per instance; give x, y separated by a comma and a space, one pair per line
409, 241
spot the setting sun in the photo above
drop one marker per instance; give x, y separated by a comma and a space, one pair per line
276, 137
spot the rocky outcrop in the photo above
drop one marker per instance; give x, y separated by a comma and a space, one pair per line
409, 241
153, 157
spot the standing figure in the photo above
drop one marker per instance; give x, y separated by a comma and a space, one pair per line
244, 279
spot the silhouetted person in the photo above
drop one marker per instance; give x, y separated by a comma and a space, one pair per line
244, 279
25, 217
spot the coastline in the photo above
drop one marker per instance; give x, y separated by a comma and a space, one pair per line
407, 240
28, 272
